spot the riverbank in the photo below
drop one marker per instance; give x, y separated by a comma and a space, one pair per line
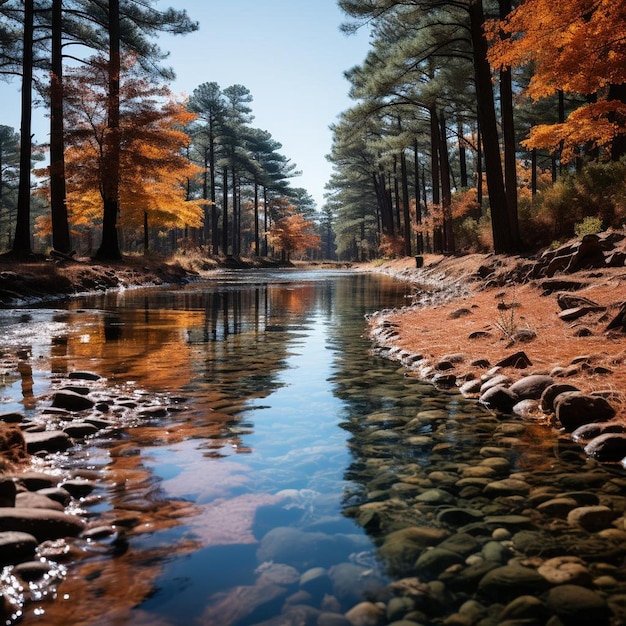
562, 314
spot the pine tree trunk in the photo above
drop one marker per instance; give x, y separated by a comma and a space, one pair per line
405, 204
21, 242
109, 246
510, 146
225, 211
58, 203
500, 224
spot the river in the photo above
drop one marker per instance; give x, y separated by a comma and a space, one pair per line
262, 482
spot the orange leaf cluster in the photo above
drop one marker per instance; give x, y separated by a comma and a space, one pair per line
577, 47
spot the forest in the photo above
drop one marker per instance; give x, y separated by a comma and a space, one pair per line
476, 126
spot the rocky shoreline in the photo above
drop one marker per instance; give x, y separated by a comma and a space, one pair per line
595, 418
45, 520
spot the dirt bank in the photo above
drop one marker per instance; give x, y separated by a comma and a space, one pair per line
482, 308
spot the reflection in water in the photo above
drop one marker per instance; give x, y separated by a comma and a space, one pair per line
252, 362
280, 440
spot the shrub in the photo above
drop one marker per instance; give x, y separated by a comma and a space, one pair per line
589, 226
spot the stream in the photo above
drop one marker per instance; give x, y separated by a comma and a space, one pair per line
283, 473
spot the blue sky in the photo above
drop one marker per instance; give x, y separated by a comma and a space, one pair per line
290, 54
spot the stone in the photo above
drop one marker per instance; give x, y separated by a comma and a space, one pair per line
461, 543
526, 408
80, 430
316, 581
401, 548
569, 315
557, 507
470, 387
591, 518
16, 546
607, 448
43, 524
434, 561
351, 582
84, 376
569, 301
31, 571
507, 487
13, 417
576, 408
578, 606
498, 398
510, 581
565, 570
31, 500
524, 608
518, 360
8, 491
48, 441
297, 548
71, 401
37, 480
366, 614
498, 379
245, 604
78, 487
531, 387
587, 432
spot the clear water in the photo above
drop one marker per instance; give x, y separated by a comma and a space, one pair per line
277, 416
265, 368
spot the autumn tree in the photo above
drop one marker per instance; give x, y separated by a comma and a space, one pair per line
573, 48
293, 233
153, 170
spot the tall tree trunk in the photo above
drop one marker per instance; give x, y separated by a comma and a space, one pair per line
446, 190
510, 147
618, 145
205, 196
109, 247
58, 202
21, 242
435, 165
418, 199
225, 211
235, 210
214, 219
257, 243
500, 223
462, 155
265, 221
405, 204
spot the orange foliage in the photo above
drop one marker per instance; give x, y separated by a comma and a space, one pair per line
577, 47
293, 233
153, 169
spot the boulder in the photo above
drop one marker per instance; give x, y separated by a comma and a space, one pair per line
551, 392
498, 398
43, 524
518, 360
16, 546
48, 440
608, 447
575, 409
71, 401
531, 387
576, 605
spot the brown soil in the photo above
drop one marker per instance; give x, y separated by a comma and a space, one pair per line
446, 285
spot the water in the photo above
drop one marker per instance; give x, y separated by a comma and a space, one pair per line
263, 439
257, 362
